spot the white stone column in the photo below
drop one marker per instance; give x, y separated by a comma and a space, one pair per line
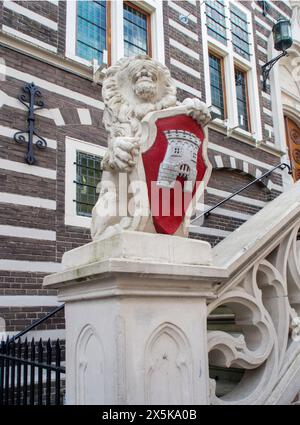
135, 308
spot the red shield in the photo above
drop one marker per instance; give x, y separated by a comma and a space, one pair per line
168, 206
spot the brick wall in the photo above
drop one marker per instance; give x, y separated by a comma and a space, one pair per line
240, 162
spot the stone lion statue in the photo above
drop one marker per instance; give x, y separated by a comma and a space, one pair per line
132, 88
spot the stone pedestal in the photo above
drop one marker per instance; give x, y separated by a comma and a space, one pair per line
135, 308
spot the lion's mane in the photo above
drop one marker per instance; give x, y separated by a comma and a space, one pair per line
122, 114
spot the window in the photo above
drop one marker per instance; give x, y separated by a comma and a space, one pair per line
91, 29
81, 179
136, 31
230, 66
216, 26
216, 85
239, 29
109, 30
88, 175
242, 98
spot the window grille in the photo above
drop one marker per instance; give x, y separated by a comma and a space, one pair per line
240, 34
241, 97
216, 85
215, 19
88, 175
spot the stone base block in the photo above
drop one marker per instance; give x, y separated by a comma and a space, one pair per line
141, 246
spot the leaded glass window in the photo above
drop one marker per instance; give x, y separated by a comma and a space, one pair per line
88, 175
240, 34
242, 100
91, 29
135, 31
216, 85
215, 18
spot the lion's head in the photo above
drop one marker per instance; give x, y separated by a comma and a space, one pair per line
132, 88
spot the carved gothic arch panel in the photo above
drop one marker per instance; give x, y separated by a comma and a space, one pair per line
168, 366
89, 347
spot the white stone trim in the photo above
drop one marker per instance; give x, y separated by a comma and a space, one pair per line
15, 7
26, 232
237, 198
30, 201
184, 49
245, 167
205, 54
185, 68
258, 173
84, 116
182, 11
273, 186
262, 36
262, 49
219, 161
273, 5
28, 38
28, 301
241, 156
267, 112
270, 130
187, 88
232, 162
262, 23
183, 29
193, 2
56, 116
10, 132
71, 147
30, 266
24, 76
157, 28
209, 231
34, 170
229, 213
52, 114
266, 95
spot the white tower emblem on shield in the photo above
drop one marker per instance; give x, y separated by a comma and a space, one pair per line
180, 160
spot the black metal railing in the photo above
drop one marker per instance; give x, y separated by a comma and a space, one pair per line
206, 213
37, 323
30, 373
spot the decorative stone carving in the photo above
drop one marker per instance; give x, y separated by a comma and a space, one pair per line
168, 367
138, 94
265, 301
89, 362
121, 360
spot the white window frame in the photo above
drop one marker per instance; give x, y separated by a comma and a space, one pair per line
231, 59
71, 148
153, 7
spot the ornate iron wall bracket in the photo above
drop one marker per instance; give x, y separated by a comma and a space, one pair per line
266, 68
265, 7
31, 99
